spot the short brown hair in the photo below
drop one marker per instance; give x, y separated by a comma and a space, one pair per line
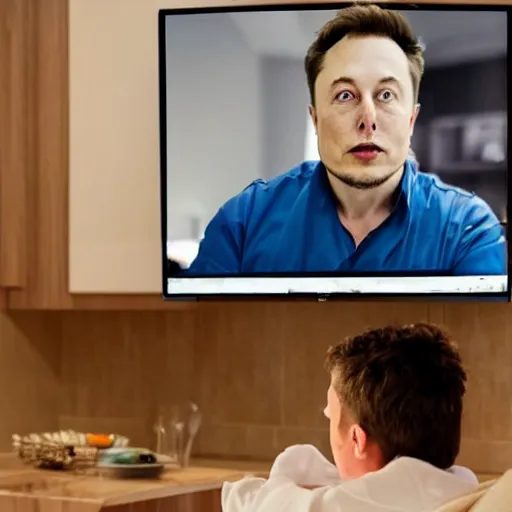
365, 20
404, 386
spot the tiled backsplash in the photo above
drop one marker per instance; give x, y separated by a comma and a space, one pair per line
256, 371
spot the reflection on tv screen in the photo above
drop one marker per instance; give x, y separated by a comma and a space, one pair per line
353, 151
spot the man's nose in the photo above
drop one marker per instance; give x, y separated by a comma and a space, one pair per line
367, 122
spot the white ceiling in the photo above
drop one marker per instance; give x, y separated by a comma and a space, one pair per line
449, 36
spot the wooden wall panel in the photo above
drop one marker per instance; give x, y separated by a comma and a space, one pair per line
118, 368
256, 370
29, 374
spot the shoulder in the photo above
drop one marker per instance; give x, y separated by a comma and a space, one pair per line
282, 493
296, 177
450, 201
282, 188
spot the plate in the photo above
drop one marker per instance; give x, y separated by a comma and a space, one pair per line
131, 470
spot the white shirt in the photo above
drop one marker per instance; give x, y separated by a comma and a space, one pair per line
403, 485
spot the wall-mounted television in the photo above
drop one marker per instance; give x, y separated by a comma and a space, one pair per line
324, 151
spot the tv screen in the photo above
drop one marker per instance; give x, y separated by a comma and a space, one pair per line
351, 152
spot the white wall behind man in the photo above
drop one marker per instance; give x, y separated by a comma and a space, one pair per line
214, 118
285, 113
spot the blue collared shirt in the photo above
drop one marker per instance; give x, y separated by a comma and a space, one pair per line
290, 224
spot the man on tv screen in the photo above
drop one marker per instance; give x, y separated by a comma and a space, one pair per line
365, 207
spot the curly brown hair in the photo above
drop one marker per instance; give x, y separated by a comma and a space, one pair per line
404, 386
365, 20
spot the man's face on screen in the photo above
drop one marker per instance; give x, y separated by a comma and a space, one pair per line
364, 96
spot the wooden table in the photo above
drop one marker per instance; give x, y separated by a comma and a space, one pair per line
196, 489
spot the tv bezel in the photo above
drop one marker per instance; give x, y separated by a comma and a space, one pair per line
163, 14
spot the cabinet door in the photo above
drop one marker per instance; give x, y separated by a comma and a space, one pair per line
36, 175
14, 132
204, 501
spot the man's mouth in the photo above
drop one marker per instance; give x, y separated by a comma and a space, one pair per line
366, 153
365, 147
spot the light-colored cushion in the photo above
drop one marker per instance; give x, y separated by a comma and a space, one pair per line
490, 496
498, 498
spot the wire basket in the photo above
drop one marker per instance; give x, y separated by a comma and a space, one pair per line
66, 449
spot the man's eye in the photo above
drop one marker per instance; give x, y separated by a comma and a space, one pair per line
386, 95
344, 96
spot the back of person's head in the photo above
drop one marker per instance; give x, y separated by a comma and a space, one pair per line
404, 387
365, 19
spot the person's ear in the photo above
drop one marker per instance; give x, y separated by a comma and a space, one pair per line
313, 116
359, 440
414, 117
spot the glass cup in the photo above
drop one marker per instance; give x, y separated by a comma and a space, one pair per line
176, 428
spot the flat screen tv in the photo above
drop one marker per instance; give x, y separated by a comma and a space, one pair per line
325, 151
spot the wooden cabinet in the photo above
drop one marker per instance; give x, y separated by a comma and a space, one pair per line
36, 152
202, 501
205, 501
14, 48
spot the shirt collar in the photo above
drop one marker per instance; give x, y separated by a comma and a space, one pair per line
407, 181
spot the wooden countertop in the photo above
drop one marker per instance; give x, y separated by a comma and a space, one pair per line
91, 493
18, 482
